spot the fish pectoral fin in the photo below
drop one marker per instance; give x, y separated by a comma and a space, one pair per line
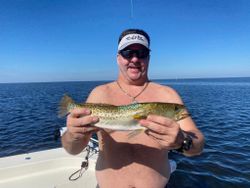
134, 133
139, 116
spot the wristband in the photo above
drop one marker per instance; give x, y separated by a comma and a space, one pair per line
186, 144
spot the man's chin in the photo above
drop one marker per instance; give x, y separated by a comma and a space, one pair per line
135, 77
134, 70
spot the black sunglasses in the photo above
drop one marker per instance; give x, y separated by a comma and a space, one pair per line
141, 54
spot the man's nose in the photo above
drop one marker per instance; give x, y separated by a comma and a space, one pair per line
134, 58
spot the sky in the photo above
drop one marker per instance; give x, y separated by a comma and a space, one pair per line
76, 40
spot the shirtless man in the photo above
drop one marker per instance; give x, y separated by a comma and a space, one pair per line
140, 161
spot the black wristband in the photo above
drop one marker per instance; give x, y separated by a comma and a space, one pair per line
186, 144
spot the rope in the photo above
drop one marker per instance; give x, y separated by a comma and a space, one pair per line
84, 167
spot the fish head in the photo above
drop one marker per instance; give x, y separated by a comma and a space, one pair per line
180, 112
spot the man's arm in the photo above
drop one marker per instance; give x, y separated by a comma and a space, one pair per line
170, 134
79, 131
188, 128
79, 128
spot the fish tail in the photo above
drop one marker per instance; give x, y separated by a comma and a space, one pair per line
64, 104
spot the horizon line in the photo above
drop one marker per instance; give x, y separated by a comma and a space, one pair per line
109, 80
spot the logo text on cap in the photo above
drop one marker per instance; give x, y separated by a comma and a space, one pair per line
134, 37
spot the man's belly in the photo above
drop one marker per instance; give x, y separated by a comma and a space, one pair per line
139, 164
133, 175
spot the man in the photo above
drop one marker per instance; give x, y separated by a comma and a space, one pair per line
141, 161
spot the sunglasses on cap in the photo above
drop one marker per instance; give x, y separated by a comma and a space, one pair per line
141, 54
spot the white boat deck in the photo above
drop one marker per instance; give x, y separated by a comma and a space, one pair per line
46, 169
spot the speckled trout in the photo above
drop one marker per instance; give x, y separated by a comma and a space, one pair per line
125, 117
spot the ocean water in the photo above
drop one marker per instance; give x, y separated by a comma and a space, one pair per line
220, 108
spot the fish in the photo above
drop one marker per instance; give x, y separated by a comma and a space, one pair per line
125, 117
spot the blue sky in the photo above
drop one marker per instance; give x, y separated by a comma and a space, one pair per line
59, 40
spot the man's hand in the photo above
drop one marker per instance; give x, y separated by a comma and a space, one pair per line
163, 130
80, 123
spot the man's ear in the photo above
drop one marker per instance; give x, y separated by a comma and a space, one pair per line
117, 59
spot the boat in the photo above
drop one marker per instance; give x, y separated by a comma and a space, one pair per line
53, 168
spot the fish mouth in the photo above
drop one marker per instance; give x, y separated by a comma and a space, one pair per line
183, 116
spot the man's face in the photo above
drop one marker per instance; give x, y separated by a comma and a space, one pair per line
133, 64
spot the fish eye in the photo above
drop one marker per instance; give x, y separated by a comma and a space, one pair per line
176, 108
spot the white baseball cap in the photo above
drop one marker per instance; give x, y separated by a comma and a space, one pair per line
133, 39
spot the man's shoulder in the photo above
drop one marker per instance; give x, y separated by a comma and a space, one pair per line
163, 88
166, 93
103, 87
100, 92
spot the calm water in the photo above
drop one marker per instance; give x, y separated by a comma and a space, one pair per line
220, 108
